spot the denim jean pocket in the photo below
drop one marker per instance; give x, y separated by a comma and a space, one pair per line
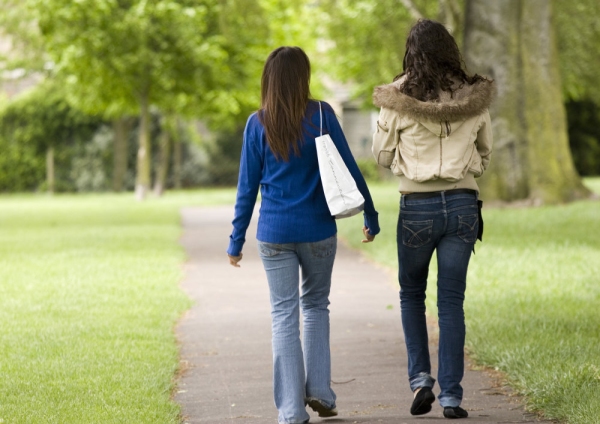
324, 248
416, 233
269, 249
467, 227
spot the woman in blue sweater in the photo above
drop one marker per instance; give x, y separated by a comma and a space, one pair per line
295, 229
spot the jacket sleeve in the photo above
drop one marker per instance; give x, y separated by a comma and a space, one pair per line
370, 215
484, 140
385, 139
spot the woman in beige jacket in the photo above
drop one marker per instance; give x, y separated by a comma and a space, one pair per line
434, 133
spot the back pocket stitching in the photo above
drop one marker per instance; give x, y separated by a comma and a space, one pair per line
409, 235
323, 248
269, 250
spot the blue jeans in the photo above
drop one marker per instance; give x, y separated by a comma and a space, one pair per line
299, 374
447, 224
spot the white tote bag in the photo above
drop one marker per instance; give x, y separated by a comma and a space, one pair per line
343, 197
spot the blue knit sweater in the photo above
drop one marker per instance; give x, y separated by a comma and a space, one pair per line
293, 208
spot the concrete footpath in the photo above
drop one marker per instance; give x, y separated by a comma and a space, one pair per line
226, 340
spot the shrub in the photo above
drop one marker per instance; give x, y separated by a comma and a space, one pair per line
370, 170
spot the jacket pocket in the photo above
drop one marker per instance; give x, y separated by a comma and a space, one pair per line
473, 160
384, 144
476, 164
385, 158
397, 163
416, 233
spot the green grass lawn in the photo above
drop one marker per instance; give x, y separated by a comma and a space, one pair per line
89, 297
533, 298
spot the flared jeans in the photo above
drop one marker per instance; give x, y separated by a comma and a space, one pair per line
446, 223
300, 370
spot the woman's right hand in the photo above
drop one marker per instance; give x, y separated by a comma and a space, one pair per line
233, 260
368, 237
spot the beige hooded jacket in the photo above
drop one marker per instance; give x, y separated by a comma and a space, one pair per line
434, 146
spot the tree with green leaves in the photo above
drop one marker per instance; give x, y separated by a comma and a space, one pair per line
252, 29
368, 37
514, 42
127, 56
578, 37
21, 47
577, 28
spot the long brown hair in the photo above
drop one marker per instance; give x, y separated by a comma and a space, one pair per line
432, 62
284, 97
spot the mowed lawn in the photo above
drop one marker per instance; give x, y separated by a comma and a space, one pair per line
89, 297
533, 298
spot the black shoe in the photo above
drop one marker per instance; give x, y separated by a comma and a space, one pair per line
455, 412
422, 402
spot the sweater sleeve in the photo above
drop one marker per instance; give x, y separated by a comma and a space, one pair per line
247, 188
371, 217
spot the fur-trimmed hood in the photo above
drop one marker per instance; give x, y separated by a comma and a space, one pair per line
467, 101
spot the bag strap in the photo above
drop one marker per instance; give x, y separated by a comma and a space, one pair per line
320, 119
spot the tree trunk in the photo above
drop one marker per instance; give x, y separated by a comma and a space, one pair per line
512, 41
121, 128
177, 155
165, 155
50, 169
142, 183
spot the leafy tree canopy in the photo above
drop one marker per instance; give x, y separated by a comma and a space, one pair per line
113, 54
578, 36
368, 40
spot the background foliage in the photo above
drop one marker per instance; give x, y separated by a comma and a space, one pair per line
202, 60
29, 126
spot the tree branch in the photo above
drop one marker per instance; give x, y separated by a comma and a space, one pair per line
412, 9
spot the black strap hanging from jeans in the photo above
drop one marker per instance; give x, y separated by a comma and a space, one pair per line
480, 230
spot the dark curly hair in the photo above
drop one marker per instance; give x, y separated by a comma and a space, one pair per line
432, 62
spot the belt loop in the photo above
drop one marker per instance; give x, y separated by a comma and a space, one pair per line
402, 204
443, 193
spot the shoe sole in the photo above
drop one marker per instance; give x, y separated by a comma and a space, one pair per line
321, 409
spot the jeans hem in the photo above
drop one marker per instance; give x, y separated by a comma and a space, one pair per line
451, 402
423, 379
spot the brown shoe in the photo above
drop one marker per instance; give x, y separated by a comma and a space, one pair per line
323, 411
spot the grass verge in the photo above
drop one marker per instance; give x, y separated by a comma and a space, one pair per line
88, 299
532, 298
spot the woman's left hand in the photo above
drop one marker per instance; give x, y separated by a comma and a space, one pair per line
368, 237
